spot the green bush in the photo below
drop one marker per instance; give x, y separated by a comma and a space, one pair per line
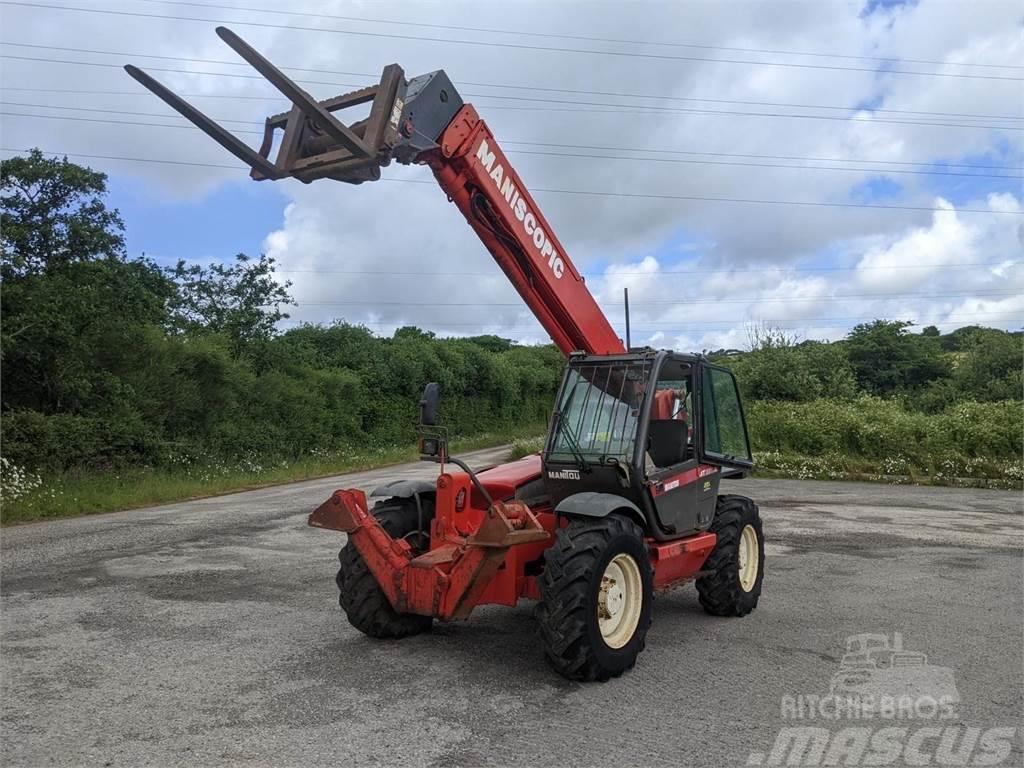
57, 442
157, 396
877, 428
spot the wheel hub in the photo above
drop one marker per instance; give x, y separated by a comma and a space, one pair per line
749, 558
619, 601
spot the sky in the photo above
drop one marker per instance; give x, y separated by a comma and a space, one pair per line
801, 165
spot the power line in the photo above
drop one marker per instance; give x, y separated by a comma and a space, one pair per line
586, 156
683, 301
276, 95
372, 76
661, 273
616, 108
129, 113
291, 12
490, 44
690, 161
666, 326
392, 273
116, 122
584, 192
646, 150
771, 157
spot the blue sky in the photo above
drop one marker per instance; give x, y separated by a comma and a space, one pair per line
232, 218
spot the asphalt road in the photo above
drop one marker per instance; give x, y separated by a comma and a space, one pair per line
208, 633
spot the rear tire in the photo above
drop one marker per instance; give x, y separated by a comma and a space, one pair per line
596, 594
737, 562
364, 602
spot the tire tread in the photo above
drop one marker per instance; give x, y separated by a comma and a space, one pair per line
364, 602
564, 583
719, 591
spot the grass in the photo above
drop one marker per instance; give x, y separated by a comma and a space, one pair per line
28, 498
951, 470
525, 446
895, 470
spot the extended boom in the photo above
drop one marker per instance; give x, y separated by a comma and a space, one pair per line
424, 121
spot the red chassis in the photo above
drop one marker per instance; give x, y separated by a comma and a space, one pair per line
478, 555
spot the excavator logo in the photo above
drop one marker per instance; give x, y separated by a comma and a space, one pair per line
507, 189
875, 668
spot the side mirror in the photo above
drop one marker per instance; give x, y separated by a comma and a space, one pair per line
429, 403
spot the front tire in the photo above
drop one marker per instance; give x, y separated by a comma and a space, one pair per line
736, 564
596, 594
364, 602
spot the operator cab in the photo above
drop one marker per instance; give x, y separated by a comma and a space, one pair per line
656, 429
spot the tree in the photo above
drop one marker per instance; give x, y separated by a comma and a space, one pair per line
777, 368
64, 331
69, 296
991, 366
888, 360
241, 300
54, 214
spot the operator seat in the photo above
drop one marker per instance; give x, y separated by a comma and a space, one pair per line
667, 442
668, 431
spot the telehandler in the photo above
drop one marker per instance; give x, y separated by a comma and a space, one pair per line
622, 501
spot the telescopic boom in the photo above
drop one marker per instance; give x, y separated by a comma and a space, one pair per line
423, 121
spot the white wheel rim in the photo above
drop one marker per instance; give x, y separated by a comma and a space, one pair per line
749, 558
619, 601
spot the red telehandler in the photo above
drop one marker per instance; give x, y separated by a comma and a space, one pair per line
622, 501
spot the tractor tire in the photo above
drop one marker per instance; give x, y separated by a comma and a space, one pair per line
364, 602
596, 592
736, 564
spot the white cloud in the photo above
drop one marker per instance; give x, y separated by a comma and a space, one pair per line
947, 240
740, 252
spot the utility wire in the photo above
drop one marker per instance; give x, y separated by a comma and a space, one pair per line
592, 193
681, 301
669, 325
392, 273
275, 95
490, 44
771, 157
586, 156
884, 59
617, 108
373, 76
660, 273
646, 150
584, 192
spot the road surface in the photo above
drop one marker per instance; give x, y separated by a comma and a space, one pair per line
208, 633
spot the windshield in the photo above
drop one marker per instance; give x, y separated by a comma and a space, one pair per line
597, 412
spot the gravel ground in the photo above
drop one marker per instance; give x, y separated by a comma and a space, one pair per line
208, 633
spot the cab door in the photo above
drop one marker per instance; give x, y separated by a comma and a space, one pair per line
670, 465
724, 440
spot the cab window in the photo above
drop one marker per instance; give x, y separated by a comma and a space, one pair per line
725, 433
670, 431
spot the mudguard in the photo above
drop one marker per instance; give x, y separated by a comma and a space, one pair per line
596, 504
404, 489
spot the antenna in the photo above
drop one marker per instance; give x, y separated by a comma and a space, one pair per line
625, 293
